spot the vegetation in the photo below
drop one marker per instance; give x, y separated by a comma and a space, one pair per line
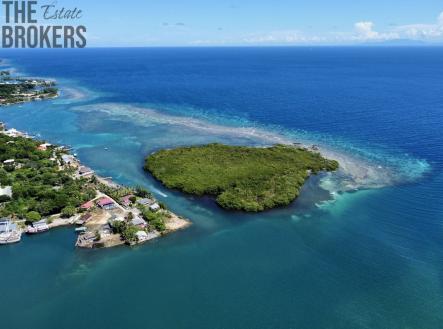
155, 220
115, 192
39, 185
33, 216
16, 90
127, 231
142, 192
68, 211
241, 178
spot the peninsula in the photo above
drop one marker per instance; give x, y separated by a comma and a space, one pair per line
43, 186
241, 178
15, 90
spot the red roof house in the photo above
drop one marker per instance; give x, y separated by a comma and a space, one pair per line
106, 203
87, 205
126, 200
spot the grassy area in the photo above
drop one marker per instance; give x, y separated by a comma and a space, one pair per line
241, 178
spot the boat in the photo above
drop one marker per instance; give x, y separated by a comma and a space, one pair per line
81, 229
37, 227
9, 232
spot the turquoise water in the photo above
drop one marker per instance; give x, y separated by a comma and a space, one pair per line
336, 258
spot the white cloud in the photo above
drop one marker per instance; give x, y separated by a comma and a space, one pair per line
365, 30
423, 31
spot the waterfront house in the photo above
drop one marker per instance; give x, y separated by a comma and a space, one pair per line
154, 207
43, 147
84, 171
84, 219
141, 236
125, 201
12, 133
87, 205
68, 159
137, 221
41, 225
145, 202
106, 203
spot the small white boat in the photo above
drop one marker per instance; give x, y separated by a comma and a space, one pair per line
37, 227
9, 232
9, 238
81, 229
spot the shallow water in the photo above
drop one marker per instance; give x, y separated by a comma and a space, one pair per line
367, 259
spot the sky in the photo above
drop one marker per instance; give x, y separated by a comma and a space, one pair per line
254, 22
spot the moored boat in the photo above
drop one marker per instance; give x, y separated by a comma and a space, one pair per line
37, 227
81, 229
9, 232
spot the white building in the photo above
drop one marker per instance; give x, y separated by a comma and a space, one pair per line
154, 207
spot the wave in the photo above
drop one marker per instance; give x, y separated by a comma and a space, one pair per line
361, 167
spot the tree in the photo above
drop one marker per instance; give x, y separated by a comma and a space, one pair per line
33, 216
129, 234
68, 211
4, 198
142, 192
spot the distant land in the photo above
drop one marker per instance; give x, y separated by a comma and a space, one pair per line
400, 42
15, 89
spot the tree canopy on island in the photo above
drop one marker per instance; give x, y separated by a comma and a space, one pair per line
242, 178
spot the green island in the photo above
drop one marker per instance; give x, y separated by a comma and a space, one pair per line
15, 90
43, 186
241, 178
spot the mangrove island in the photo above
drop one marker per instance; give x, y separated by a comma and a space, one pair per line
241, 178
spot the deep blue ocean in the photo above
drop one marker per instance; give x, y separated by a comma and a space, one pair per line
360, 249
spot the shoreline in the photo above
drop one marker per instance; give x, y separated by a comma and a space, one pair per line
96, 231
15, 89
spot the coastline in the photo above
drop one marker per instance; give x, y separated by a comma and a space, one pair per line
96, 231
